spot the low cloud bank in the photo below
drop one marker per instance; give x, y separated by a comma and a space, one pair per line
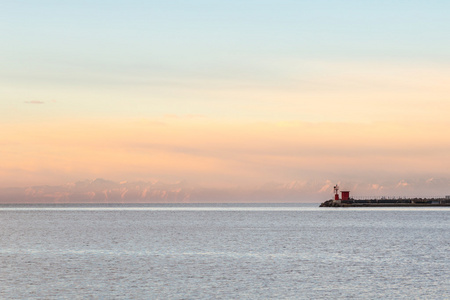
105, 191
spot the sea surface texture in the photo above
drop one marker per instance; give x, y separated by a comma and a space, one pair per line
224, 252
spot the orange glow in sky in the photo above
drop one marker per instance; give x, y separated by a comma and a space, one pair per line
226, 98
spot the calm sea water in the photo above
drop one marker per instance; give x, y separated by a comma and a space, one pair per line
224, 251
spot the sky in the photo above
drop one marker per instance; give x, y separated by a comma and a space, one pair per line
246, 100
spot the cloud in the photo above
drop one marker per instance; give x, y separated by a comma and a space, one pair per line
98, 191
106, 191
402, 183
34, 102
185, 116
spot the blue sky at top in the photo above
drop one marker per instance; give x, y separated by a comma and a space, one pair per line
86, 53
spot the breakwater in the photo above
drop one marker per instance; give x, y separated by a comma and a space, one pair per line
387, 202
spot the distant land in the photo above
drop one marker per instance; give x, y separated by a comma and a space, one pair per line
107, 191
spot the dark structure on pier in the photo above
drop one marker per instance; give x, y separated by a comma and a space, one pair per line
346, 201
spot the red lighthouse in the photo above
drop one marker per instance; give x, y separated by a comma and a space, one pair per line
345, 194
336, 192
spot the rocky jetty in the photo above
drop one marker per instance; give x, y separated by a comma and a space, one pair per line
330, 203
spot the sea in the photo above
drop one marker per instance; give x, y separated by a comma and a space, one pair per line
223, 251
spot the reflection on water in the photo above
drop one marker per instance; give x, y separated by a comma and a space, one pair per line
223, 251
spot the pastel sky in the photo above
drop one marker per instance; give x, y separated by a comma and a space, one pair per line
227, 95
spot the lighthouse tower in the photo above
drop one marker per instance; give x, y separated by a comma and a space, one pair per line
336, 192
